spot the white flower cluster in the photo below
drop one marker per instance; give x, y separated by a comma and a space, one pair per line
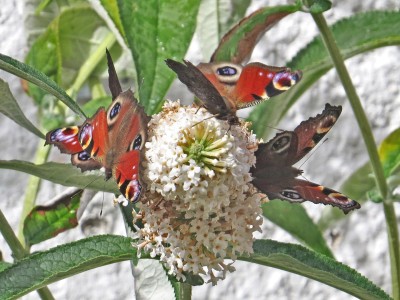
200, 206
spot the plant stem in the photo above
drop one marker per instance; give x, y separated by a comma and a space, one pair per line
185, 291
32, 190
15, 245
390, 215
19, 251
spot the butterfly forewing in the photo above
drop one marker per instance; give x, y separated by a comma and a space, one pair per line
113, 82
93, 135
311, 131
198, 84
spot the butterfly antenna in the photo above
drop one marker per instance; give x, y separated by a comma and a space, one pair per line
276, 128
102, 205
204, 119
201, 106
311, 154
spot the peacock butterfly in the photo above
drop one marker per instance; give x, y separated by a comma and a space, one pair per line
274, 175
111, 139
227, 87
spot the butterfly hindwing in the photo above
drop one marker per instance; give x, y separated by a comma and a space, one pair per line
127, 175
66, 139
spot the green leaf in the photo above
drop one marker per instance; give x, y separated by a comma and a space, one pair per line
10, 108
237, 45
24, 71
91, 107
111, 6
157, 30
389, 153
354, 35
65, 174
299, 260
71, 48
47, 221
294, 219
43, 268
4, 265
214, 19
359, 183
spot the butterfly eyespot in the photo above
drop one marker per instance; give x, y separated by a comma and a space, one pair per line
227, 71
137, 143
83, 156
281, 143
114, 110
292, 195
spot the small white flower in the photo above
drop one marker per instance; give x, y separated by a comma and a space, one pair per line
200, 207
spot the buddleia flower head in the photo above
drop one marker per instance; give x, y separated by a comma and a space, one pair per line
199, 207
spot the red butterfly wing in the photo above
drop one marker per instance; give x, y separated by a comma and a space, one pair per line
65, 139
259, 82
93, 135
248, 85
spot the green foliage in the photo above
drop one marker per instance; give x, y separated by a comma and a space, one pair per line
49, 266
354, 35
47, 221
43, 268
35, 76
65, 174
237, 45
299, 224
213, 22
156, 30
299, 260
10, 108
389, 153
